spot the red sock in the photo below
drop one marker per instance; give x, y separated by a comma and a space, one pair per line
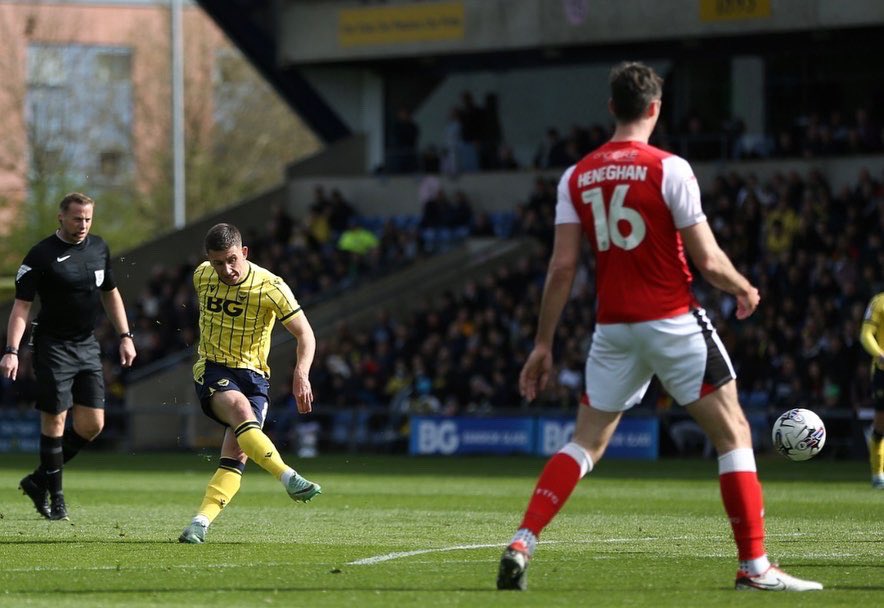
556, 482
744, 505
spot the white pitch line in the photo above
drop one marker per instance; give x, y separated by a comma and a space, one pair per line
377, 559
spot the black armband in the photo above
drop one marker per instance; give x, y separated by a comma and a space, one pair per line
10, 350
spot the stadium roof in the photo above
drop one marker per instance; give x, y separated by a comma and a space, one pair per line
283, 37
249, 24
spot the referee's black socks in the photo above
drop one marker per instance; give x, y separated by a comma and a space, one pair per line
51, 463
72, 444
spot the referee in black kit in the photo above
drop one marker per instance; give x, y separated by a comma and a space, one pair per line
71, 272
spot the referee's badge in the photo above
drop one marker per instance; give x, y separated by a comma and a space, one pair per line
99, 277
22, 271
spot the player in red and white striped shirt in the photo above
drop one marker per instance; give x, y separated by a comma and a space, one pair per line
640, 209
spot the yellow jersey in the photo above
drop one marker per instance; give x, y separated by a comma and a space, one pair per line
235, 321
872, 333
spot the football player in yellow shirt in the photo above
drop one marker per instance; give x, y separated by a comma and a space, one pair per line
872, 338
239, 303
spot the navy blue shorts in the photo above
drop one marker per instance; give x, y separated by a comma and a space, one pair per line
219, 378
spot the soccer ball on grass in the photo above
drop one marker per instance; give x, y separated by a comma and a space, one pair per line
799, 434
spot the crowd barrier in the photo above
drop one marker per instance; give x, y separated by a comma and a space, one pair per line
19, 431
642, 435
635, 438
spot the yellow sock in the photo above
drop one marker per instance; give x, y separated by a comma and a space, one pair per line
222, 488
876, 454
259, 448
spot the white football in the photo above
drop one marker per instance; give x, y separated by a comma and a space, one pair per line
799, 434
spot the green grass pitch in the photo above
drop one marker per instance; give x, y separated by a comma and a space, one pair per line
402, 531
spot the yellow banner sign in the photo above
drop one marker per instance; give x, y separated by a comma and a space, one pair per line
726, 10
422, 22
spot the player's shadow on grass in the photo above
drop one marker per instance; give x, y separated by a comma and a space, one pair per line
772, 467
836, 587
835, 565
268, 589
96, 541
117, 541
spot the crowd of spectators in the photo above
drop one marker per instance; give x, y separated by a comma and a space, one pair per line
809, 136
320, 255
474, 139
815, 253
816, 135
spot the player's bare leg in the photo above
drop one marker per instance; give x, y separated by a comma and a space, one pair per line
592, 432
235, 410
721, 417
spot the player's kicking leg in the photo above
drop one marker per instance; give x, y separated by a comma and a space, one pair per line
244, 416
246, 439
259, 448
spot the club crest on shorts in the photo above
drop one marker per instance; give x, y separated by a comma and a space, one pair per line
99, 277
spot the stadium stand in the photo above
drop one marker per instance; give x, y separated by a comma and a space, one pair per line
814, 248
815, 252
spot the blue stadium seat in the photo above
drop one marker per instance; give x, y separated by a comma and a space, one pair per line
502, 221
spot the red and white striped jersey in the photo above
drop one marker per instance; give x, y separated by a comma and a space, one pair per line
631, 199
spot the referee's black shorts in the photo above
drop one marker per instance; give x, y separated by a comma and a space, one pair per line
68, 372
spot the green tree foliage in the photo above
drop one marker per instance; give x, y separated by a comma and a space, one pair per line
239, 137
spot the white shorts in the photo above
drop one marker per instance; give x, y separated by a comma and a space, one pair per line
684, 352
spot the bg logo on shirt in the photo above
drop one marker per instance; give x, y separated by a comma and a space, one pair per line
228, 307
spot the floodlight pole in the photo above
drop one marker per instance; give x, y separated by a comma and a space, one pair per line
177, 40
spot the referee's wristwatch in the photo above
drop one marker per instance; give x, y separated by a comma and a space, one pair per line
127, 334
